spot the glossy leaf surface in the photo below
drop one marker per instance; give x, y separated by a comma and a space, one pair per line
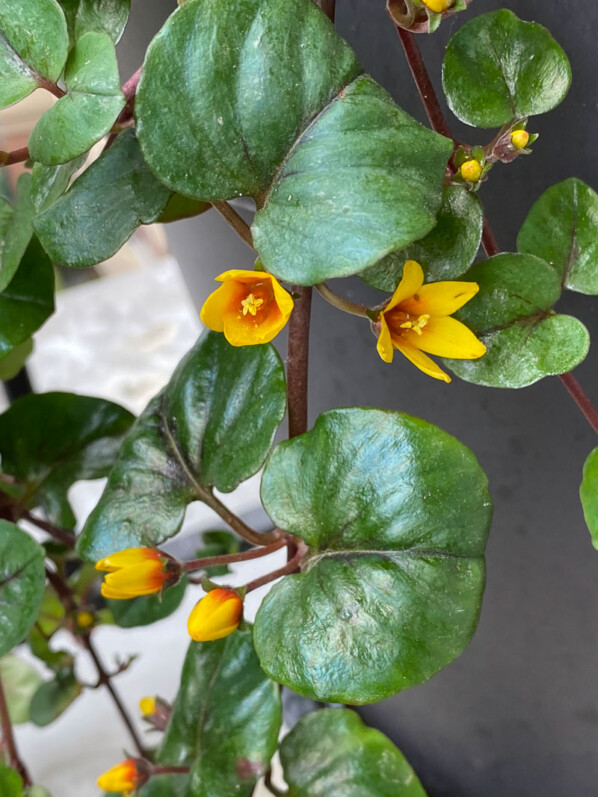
16, 229
22, 580
498, 68
33, 46
104, 16
445, 253
119, 192
50, 182
332, 752
562, 228
589, 495
54, 697
395, 513
147, 609
88, 110
51, 440
212, 425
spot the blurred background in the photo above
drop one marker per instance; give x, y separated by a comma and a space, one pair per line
517, 713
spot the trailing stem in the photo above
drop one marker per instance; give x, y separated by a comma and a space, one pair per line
292, 566
236, 524
8, 739
232, 558
298, 361
238, 224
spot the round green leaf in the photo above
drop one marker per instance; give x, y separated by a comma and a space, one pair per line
332, 752
11, 784
103, 16
16, 229
498, 68
50, 182
588, 492
26, 303
446, 252
119, 192
22, 580
33, 46
54, 697
11, 363
89, 109
212, 425
562, 228
396, 514
527, 351
51, 440
147, 609
20, 681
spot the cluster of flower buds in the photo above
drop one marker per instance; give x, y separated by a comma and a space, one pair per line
423, 16
155, 712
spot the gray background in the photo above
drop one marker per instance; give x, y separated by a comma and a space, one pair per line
517, 714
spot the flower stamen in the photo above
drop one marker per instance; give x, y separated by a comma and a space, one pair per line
251, 304
417, 326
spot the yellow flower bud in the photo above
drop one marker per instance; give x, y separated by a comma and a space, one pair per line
132, 572
438, 5
471, 170
85, 619
147, 706
121, 779
520, 138
216, 615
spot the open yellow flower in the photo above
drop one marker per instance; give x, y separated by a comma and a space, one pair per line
416, 320
216, 615
250, 307
121, 779
133, 572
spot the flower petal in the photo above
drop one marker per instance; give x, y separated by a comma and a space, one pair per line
411, 282
420, 360
215, 616
219, 303
139, 579
250, 330
127, 558
384, 345
283, 299
246, 276
448, 337
440, 298
121, 778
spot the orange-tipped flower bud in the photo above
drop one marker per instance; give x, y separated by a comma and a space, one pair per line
520, 138
216, 615
121, 779
471, 170
438, 5
133, 572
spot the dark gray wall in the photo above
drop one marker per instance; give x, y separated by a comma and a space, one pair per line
517, 714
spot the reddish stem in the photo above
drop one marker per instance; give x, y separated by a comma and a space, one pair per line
488, 240
292, 566
581, 399
61, 535
16, 156
51, 87
298, 361
229, 559
9, 739
130, 87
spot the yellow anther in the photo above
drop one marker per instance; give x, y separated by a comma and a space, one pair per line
520, 138
251, 304
417, 326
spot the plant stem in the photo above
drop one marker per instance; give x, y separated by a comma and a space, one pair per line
229, 559
61, 535
16, 156
170, 770
292, 566
130, 87
9, 739
51, 87
342, 304
328, 7
271, 787
438, 123
236, 524
238, 224
298, 361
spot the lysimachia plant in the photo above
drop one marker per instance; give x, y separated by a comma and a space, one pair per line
383, 517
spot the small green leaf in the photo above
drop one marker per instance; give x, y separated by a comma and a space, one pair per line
562, 228
212, 425
13, 362
37, 791
181, 207
51, 440
33, 46
119, 192
22, 580
25, 304
20, 681
147, 609
445, 253
588, 492
498, 69
16, 229
395, 513
102, 16
11, 784
87, 112
332, 752
50, 182
54, 697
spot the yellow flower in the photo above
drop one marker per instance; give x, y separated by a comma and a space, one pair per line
133, 572
216, 615
416, 320
471, 170
121, 779
438, 5
147, 706
520, 138
250, 307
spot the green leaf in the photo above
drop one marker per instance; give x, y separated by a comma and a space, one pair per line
272, 105
89, 109
212, 425
11, 784
332, 752
225, 720
33, 46
38, 791
588, 492
22, 580
50, 182
147, 609
13, 362
181, 207
446, 252
26, 304
395, 513
20, 681
119, 193
54, 697
16, 229
102, 16
498, 69
562, 228
51, 440
511, 314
